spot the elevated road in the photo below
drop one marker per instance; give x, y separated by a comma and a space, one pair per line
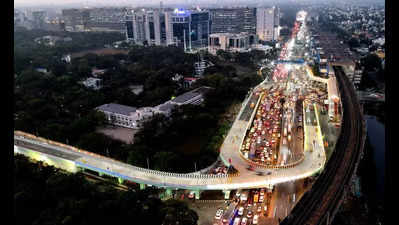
77, 159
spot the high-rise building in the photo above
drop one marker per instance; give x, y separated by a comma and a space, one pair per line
267, 23
129, 27
183, 28
38, 19
19, 18
231, 42
139, 22
155, 28
146, 27
188, 29
235, 20
75, 19
199, 29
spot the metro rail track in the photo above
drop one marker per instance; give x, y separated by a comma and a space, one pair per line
319, 205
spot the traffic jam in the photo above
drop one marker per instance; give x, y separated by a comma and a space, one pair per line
276, 134
262, 140
247, 207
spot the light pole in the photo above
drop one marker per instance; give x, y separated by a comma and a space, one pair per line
148, 163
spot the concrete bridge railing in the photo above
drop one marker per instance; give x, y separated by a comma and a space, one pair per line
200, 178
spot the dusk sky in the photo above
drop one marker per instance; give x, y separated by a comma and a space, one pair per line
94, 3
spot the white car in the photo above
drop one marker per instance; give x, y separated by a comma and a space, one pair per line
244, 221
255, 220
237, 221
219, 214
241, 211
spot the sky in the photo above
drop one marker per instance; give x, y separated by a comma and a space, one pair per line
100, 3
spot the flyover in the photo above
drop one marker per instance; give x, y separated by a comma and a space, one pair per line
78, 159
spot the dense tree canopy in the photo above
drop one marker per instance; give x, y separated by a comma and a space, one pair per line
45, 195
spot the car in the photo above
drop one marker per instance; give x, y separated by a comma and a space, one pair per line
249, 206
241, 211
237, 221
244, 221
191, 194
249, 214
259, 209
261, 198
260, 173
219, 214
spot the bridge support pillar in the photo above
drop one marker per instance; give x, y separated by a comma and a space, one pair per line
197, 194
226, 194
120, 180
328, 218
142, 186
168, 193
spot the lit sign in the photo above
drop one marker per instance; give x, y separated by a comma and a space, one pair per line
179, 11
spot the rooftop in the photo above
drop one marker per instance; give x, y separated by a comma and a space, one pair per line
166, 107
117, 108
190, 95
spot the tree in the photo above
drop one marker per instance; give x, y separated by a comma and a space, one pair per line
371, 63
353, 43
83, 68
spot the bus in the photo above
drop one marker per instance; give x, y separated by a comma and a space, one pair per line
256, 197
229, 215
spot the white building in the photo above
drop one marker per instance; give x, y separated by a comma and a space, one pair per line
120, 115
93, 83
132, 117
267, 23
231, 42
66, 58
